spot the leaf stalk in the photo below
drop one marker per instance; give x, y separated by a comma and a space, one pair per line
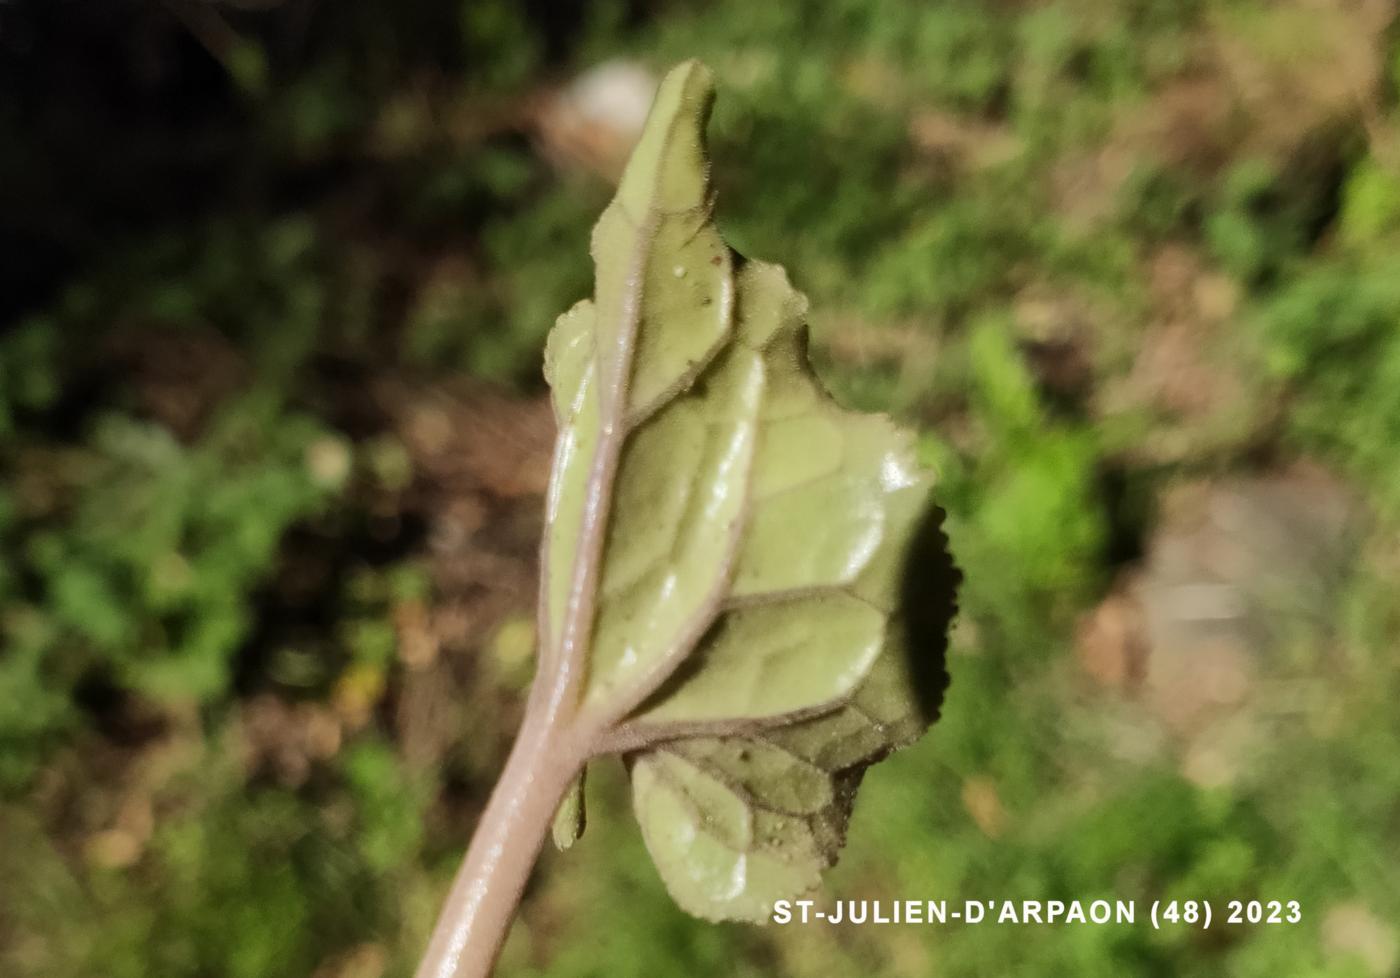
476, 918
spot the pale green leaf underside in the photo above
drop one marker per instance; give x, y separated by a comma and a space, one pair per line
736, 823
722, 855
736, 600
772, 659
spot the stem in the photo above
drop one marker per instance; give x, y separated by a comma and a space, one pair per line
556, 737
476, 918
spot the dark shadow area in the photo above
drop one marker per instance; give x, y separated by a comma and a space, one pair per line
928, 601
1130, 510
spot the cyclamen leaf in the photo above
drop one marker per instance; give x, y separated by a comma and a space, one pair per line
727, 550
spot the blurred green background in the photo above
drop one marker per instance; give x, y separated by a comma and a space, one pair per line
276, 276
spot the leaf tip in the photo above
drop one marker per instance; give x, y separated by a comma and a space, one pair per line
669, 169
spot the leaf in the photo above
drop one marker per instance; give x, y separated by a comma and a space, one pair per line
727, 550
572, 816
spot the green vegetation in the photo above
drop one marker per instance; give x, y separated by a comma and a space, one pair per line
270, 431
